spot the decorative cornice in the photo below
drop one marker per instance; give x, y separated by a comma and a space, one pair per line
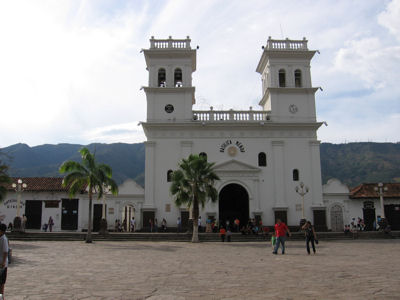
169, 90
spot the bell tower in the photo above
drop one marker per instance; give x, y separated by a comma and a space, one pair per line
286, 81
170, 94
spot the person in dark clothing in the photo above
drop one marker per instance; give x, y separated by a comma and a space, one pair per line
311, 236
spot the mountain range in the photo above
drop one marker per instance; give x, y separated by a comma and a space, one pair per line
352, 163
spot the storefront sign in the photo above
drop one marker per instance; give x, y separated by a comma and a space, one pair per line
12, 203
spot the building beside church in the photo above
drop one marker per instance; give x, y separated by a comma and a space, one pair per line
261, 155
45, 197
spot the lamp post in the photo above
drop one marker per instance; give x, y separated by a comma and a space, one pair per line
302, 190
19, 188
103, 212
103, 221
380, 189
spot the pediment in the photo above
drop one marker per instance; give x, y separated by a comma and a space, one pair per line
130, 187
234, 165
335, 186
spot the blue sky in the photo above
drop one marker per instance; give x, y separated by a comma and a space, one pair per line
71, 71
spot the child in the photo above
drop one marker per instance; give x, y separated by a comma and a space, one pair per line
228, 235
273, 239
222, 233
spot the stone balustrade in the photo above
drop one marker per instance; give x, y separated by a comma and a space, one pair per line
230, 115
287, 44
170, 43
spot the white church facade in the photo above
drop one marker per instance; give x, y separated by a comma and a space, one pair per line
262, 156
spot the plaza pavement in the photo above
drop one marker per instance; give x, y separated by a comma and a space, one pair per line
368, 269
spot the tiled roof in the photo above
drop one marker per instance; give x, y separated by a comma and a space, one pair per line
40, 184
367, 190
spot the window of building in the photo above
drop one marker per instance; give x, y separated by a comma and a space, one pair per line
51, 203
169, 175
262, 159
297, 78
282, 78
295, 175
178, 78
203, 155
161, 77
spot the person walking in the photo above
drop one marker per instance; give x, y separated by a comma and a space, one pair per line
311, 236
155, 225
280, 231
199, 223
178, 225
237, 224
50, 224
24, 221
3, 257
133, 224
222, 233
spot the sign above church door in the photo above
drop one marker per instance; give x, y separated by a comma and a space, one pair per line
232, 147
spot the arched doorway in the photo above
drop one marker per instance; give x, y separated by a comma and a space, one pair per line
336, 218
233, 203
127, 213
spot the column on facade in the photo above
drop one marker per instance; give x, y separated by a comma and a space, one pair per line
153, 77
170, 76
316, 184
290, 76
138, 215
274, 77
187, 76
150, 173
279, 173
257, 195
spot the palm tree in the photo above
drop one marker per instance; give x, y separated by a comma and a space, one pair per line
193, 184
4, 180
88, 175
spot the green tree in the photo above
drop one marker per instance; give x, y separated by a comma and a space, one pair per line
193, 184
91, 175
4, 180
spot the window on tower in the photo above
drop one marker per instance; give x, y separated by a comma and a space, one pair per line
262, 159
203, 155
169, 175
178, 77
295, 175
297, 78
161, 77
282, 78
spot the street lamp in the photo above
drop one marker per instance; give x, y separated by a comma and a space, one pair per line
19, 188
302, 190
105, 191
103, 221
380, 189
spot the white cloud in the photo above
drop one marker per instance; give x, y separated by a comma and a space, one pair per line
390, 18
117, 133
370, 60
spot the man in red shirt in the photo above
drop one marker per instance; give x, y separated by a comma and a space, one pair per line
280, 232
